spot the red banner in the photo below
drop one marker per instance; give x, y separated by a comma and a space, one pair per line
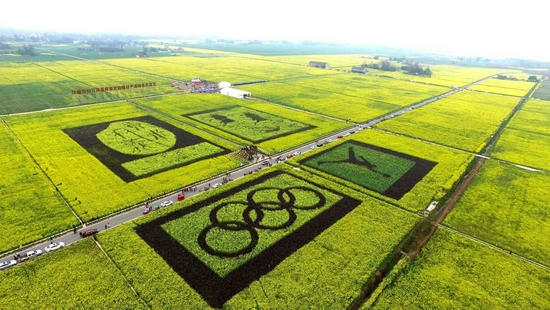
112, 88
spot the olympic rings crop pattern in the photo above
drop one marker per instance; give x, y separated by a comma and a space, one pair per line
252, 223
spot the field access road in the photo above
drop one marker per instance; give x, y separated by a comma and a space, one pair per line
137, 211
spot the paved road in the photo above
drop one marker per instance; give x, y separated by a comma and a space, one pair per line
136, 212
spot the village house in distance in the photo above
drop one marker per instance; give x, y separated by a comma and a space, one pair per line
319, 64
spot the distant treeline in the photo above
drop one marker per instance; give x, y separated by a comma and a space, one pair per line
413, 68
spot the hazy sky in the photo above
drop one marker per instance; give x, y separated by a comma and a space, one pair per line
472, 28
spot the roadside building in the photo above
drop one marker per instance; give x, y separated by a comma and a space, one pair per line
361, 70
319, 64
233, 92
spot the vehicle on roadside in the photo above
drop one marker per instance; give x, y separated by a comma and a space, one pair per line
346, 134
54, 246
330, 140
266, 163
340, 137
313, 147
216, 185
297, 153
146, 210
289, 155
29, 255
89, 232
166, 203
8, 264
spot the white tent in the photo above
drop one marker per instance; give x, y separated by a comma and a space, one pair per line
233, 92
224, 84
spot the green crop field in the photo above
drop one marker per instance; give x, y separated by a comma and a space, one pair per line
414, 188
300, 127
346, 96
91, 174
453, 272
30, 208
504, 87
324, 256
465, 120
543, 92
507, 205
526, 139
79, 276
27, 87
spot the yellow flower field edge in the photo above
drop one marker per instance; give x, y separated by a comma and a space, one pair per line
79, 276
465, 120
451, 165
507, 206
466, 274
90, 187
327, 272
30, 209
528, 130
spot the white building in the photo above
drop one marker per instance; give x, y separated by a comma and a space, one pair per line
233, 92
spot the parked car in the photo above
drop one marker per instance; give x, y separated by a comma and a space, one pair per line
216, 185
166, 203
146, 210
89, 232
8, 264
29, 255
266, 163
54, 246
297, 153
340, 137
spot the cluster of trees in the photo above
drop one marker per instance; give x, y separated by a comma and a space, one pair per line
27, 50
532, 78
415, 69
383, 65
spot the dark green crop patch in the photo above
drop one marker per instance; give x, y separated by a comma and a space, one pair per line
387, 172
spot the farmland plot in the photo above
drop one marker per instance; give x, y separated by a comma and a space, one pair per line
345, 96
107, 157
526, 139
27, 87
258, 240
543, 92
465, 120
30, 208
100, 75
507, 205
453, 272
397, 169
504, 87
79, 276
271, 127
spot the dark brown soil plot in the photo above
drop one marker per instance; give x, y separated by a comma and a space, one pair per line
216, 290
86, 136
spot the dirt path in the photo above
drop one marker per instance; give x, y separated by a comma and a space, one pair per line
438, 218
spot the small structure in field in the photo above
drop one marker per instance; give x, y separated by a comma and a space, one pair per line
319, 64
224, 84
233, 92
362, 70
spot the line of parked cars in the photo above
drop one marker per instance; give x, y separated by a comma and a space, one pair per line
31, 254
156, 207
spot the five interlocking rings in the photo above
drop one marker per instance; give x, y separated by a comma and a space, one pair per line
254, 213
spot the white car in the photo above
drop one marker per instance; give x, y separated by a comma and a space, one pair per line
166, 203
297, 153
30, 254
54, 246
8, 264
216, 185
